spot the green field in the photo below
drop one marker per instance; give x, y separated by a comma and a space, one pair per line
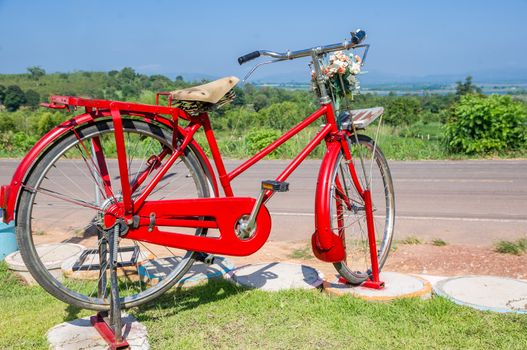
221, 315
414, 125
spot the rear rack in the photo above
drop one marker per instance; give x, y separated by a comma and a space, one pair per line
69, 102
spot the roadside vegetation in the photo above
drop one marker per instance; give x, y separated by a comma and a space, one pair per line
412, 240
305, 253
222, 315
438, 242
464, 124
518, 247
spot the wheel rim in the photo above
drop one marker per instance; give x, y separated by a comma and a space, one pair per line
66, 218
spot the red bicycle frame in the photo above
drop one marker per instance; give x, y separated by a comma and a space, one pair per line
219, 213
184, 212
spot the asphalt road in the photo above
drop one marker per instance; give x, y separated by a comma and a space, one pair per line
462, 202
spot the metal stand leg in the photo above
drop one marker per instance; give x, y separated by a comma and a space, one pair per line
374, 281
111, 330
115, 307
103, 265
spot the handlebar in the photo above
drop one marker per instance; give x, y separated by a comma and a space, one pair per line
356, 39
248, 57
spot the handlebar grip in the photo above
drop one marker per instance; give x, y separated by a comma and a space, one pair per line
358, 37
248, 57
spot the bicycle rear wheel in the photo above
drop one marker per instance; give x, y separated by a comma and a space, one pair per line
63, 201
347, 207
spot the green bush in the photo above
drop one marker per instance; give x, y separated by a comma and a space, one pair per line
402, 110
48, 120
14, 98
236, 120
258, 139
480, 125
281, 116
16, 143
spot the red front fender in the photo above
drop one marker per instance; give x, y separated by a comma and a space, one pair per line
9, 193
327, 246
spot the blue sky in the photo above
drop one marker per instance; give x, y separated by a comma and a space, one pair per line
409, 38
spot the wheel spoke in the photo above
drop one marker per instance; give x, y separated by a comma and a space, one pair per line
66, 199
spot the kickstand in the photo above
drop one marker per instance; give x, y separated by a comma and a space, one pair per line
373, 281
110, 325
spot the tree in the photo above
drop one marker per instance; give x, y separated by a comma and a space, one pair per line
127, 74
14, 98
466, 88
36, 72
32, 98
402, 110
129, 91
2, 94
281, 116
479, 125
179, 78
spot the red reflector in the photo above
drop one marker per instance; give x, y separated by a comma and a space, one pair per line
4, 195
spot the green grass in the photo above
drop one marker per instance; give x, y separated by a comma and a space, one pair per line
438, 242
302, 253
518, 247
221, 315
410, 240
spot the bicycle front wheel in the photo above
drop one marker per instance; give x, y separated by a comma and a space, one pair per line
348, 215
64, 198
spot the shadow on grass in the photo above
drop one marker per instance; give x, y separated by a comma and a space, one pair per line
72, 313
181, 299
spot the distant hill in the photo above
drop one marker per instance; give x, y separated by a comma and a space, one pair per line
495, 76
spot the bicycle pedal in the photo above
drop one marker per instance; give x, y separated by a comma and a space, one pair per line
205, 258
276, 186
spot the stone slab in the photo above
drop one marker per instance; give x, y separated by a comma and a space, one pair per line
277, 276
433, 279
80, 334
93, 273
397, 286
489, 293
52, 255
153, 271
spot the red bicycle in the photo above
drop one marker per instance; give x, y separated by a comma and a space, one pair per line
130, 184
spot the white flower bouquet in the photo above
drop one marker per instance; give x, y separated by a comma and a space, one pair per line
340, 73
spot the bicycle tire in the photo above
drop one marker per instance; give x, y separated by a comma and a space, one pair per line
356, 267
138, 130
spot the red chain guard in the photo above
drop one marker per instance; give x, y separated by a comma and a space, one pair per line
221, 213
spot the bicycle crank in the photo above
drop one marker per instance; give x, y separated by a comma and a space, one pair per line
247, 223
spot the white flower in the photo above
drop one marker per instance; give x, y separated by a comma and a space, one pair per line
355, 68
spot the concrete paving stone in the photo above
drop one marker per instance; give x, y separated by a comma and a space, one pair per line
88, 272
80, 334
397, 286
154, 271
52, 255
433, 279
277, 276
489, 293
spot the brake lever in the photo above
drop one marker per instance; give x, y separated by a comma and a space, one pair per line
259, 65
366, 48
